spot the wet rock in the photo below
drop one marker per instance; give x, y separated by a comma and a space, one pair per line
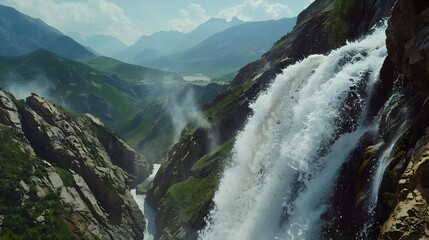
409, 219
408, 41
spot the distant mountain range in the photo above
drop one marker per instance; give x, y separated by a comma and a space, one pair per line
102, 44
226, 51
165, 43
21, 34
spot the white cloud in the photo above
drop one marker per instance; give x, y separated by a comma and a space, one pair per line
278, 10
190, 18
236, 11
249, 8
88, 17
255, 3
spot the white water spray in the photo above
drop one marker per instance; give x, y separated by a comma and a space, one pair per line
286, 159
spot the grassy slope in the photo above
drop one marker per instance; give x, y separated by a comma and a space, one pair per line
71, 82
130, 72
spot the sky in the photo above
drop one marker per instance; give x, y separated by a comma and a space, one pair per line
127, 20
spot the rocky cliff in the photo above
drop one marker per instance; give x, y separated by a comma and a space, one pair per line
408, 47
65, 176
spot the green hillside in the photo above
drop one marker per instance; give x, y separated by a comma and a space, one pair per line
69, 83
130, 72
132, 100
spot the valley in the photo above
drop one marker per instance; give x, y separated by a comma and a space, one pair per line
306, 127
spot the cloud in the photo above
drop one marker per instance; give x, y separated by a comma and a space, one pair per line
190, 18
278, 10
255, 3
236, 11
259, 8
89, 17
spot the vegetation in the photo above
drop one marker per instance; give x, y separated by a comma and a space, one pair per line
131, 73
188, 197
66, 176
71, 83
217, 157
340, 21
30, 217
226, 102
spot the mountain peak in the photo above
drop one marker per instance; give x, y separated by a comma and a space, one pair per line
23, 34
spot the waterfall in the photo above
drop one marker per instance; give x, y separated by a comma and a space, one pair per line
287, 157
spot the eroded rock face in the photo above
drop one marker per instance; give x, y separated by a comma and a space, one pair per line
175, 168
89, 168
408, 41
408, 45
410, 219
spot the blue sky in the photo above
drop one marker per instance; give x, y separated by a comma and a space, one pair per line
129, 19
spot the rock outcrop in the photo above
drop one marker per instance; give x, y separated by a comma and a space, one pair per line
410, 219
78, 165
407, 42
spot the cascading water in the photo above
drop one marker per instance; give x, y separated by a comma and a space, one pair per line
382, 164
287, 157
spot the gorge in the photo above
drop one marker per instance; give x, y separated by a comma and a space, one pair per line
334, 147
326, 136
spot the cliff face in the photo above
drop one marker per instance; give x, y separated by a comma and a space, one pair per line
401, 207
79, 167
407, 42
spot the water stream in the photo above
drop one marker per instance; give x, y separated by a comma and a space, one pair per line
148, 211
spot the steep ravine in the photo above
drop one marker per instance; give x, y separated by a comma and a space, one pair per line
398, 103
77, 176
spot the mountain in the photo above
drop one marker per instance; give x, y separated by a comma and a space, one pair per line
130, 99
102, 44
69, 83
21, 34
65, 176
226, 51
163, 43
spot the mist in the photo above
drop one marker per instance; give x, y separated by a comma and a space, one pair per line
183, 109
22, 87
